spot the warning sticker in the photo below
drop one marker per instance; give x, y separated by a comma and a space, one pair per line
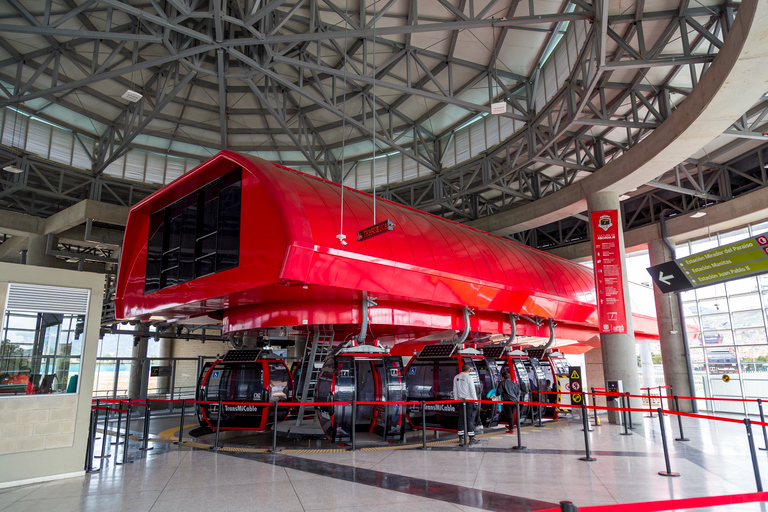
575, 374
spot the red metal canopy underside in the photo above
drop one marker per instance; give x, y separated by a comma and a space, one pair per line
293, 271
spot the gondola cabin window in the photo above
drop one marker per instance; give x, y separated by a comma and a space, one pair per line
196, 236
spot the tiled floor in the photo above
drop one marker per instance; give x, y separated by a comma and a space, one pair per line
487, 477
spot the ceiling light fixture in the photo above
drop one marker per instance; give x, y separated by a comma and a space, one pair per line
132, 96
698, 215
623, 197
13, 169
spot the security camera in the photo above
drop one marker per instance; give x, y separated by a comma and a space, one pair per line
344, 243
341, 238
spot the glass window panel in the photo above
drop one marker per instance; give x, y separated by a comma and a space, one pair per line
187, 253
746, 285
721, 360
759, 228
682, 250
689, 295
697, 360
734, 236
154, 252
747, 319
750, 336
703, 245
175, 226
709, 292
713, 306
206, 265
744, 302
715, 322
712, 338
691, 309
694, 339
18, 321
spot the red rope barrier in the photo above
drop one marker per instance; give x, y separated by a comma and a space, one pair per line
685, 503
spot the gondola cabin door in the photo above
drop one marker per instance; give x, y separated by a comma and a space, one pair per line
240, 385
388, 418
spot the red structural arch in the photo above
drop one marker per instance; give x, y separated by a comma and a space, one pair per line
293, 270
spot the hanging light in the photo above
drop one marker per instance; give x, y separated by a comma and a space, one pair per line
13, 169
132, 96
698, 215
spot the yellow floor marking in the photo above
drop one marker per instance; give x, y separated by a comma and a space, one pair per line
171, 432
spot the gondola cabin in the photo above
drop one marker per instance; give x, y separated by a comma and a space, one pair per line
363, 373
241, 379
429, 377
514, 360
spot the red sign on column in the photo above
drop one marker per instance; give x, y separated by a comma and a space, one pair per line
608, 273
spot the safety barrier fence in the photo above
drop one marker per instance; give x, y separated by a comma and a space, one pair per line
124, 407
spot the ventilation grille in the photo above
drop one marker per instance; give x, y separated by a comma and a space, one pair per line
47, 299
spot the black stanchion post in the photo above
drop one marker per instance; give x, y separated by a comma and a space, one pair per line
762, 420
539, 410
181, 422
669, 471
465, 440
218, 424
679, 421
119, 422
629, 413
624, 415
588, 455
423, 426
125, 442
97, 414
274, 430
517, 426
650, 405
104, 440
91, 442
584, 402
752, 453
147, 414
594, 402
354, 422
568, 506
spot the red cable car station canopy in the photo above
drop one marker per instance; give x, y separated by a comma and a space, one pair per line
256, 244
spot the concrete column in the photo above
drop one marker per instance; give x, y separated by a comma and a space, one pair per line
646, 361
164, 383
618, 349
136, 390
36, 251
677, 368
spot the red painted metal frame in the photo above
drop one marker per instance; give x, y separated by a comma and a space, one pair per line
293, 271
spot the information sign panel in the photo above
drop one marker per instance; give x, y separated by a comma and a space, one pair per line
611, 308
733, 261
159, 371
376, 229
574, 383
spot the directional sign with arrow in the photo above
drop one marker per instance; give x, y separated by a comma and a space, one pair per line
669, 277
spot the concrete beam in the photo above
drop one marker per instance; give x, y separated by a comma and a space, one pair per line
13, 245
735, 81
86, 209
746, 209
20, 224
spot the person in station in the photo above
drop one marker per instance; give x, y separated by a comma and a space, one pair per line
464, 389
509, 391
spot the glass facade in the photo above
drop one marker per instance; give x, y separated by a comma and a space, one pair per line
196, 236
727, 330
40, 352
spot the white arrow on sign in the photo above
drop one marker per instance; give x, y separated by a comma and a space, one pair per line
665, 279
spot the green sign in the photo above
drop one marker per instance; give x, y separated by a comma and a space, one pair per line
733, 261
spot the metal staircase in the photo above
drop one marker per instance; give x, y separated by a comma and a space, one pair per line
315, 353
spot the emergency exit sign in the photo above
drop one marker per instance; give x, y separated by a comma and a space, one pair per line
733, 261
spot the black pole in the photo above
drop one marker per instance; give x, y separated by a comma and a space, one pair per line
588, 455
91, 442
274, 430
624, 415
517, 425
181, 422
629, 413
584, 402
669, 471
594, 402
466, 423
539, 410
147, 414
752, 453
104, 441
97, 415
119, 422
354, 422
125, 442
423, 426
650, 405
218, 424
762, 420
680, 422
568, 506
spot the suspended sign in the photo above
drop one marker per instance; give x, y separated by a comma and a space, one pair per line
733, 261
376, 229
606, 254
